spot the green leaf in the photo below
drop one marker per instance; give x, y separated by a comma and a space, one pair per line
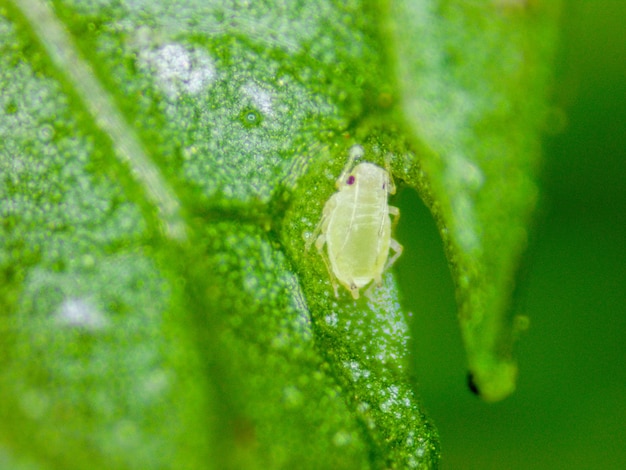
160, 163
473, 79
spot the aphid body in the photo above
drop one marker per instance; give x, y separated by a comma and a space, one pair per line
356, 226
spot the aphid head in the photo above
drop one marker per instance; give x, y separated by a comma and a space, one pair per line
368, 175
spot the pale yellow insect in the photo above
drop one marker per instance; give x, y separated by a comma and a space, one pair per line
356, 226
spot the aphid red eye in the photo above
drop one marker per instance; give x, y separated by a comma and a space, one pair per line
350, 179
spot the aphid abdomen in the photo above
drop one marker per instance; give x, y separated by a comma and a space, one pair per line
365, 261
359, 254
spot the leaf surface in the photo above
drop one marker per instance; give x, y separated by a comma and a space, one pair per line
160, 163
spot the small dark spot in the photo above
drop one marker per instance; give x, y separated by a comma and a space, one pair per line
45, 132
384, 186
350, 180
385, 99
250, 117
472, 384
59, 266
244, 432
10, 108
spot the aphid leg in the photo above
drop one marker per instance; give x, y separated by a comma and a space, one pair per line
319, 244
378, 281
397, 248
395, 213
391, 186
393, 244
355, 153
321, 226
313, 237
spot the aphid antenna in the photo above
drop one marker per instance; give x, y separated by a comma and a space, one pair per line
355, 153
391, 189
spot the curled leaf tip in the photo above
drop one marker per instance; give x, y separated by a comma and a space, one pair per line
493, 383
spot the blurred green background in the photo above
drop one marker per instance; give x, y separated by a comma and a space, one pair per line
570, 407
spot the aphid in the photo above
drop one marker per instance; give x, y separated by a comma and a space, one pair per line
356, 226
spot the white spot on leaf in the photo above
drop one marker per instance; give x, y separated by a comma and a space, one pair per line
331, 319
261, 98
178, 70
463, 178
80, 313
34, 404
292, 396
342, 438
